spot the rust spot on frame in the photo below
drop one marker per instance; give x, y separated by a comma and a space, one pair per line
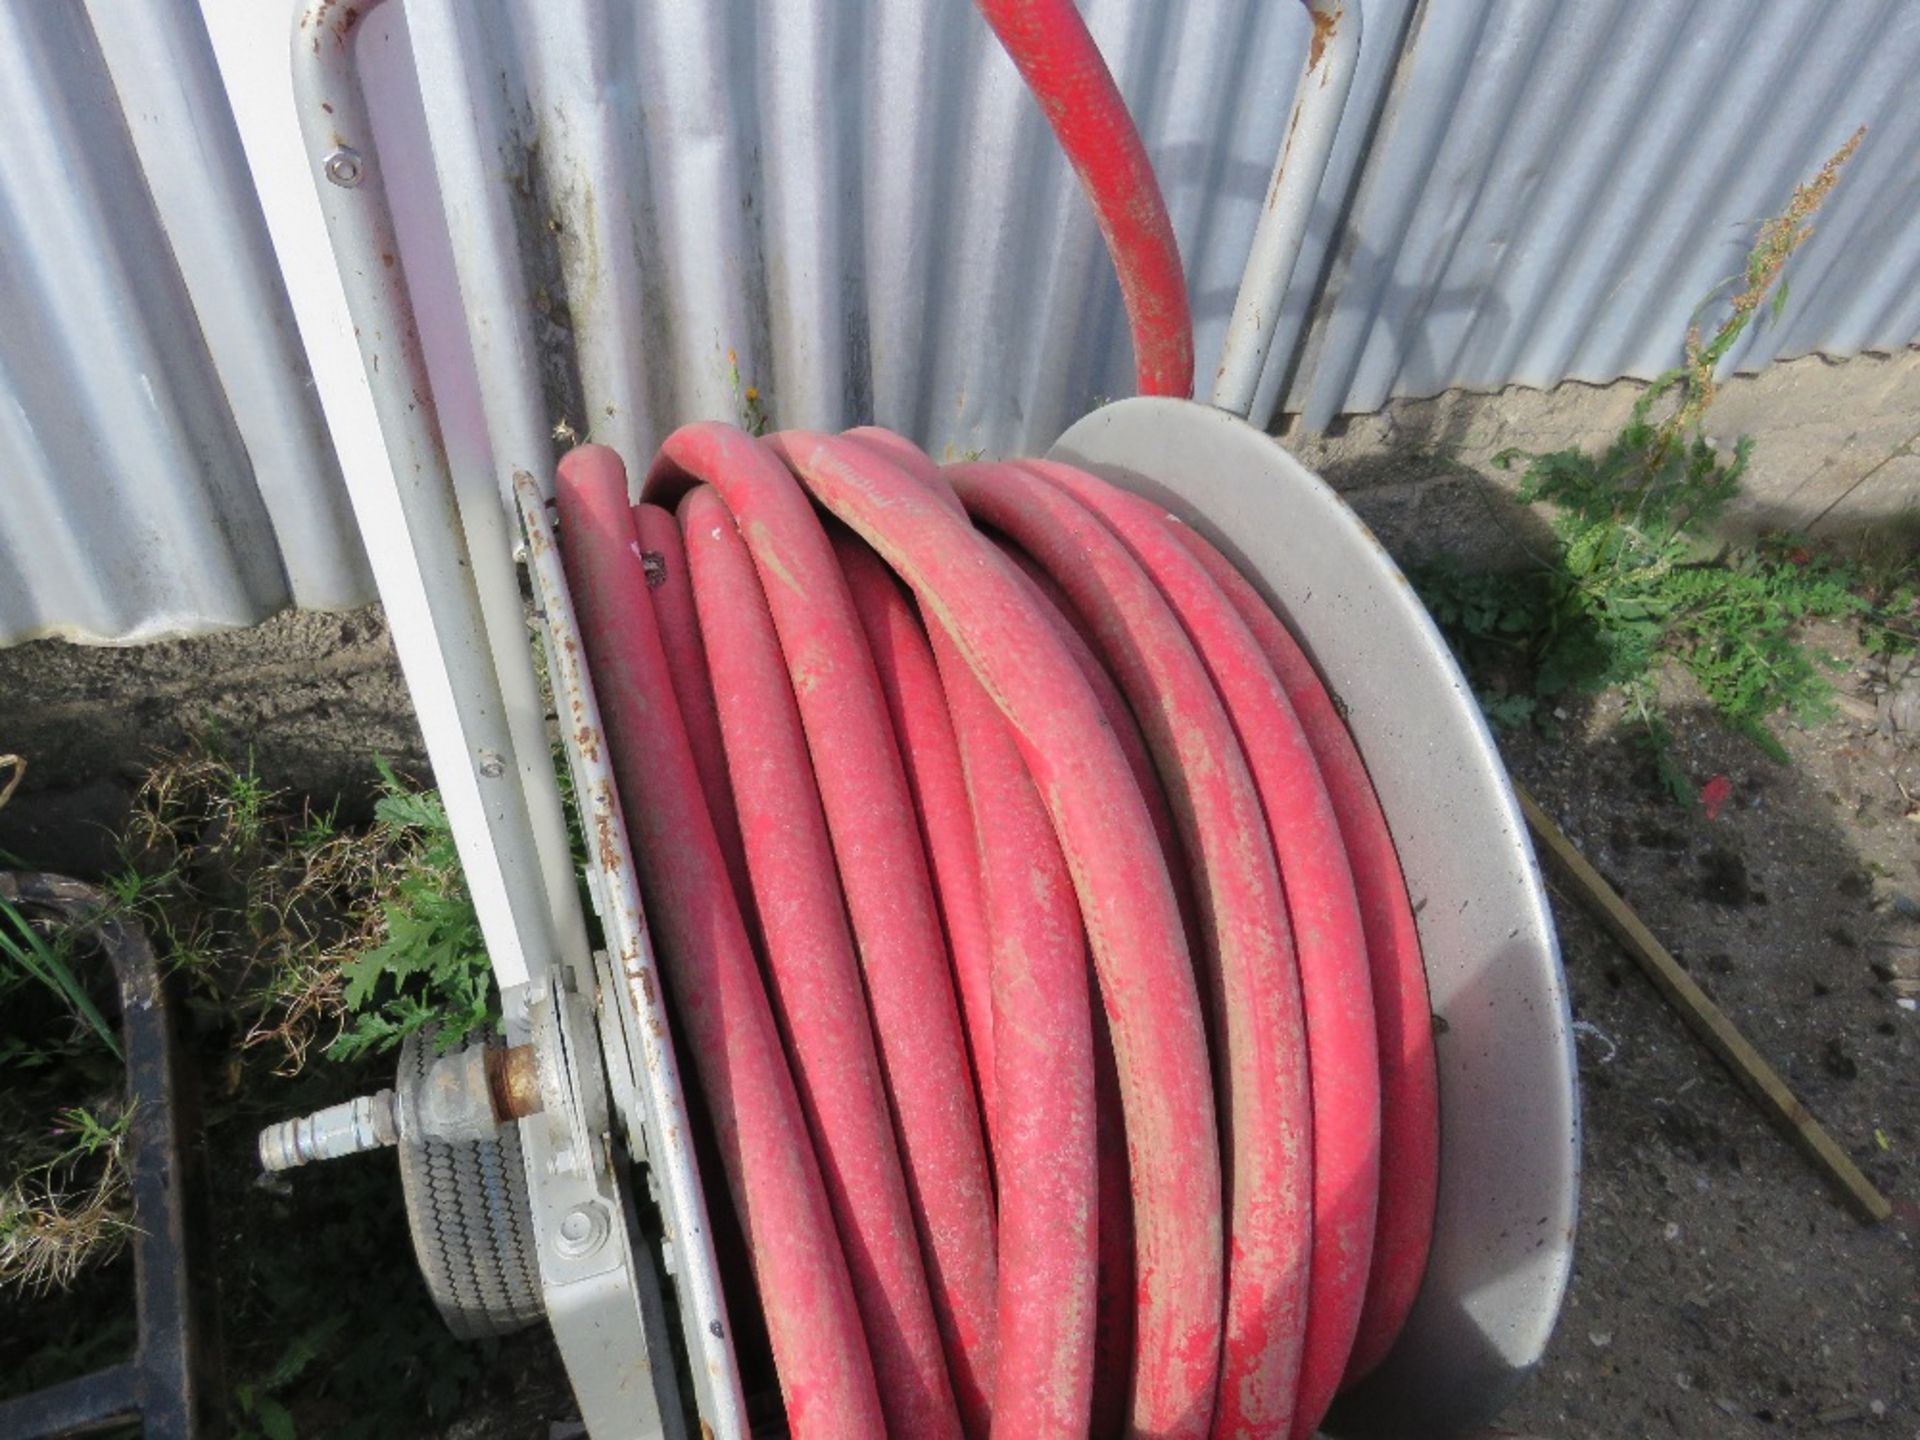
1324, 24
513, 1082
588, 739
605, 845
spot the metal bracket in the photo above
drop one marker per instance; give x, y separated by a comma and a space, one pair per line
601, 1290
162, 1384
459, 626
642, 1069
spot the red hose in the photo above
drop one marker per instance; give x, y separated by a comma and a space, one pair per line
1044, 1049
1409, 1082
1126, 902
1067, 723
825, 1373
1253, 988
1053, 603
1056, 56
1062, 1213
883, 876
1342, 1042
813, 975
665, 559
918, 705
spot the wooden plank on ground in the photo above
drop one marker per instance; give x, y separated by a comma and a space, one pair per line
1706, 1019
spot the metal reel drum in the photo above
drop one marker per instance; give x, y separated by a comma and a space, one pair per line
1509, 1102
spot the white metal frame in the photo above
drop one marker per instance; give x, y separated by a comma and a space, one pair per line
442, 546
1333, 55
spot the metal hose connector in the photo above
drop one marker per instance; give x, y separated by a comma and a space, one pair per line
367, 1122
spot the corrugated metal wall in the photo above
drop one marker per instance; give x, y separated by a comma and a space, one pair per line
859, 201
855, 208
1554, 189
852, 205
163, 463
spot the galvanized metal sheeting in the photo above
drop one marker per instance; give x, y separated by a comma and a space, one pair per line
860, 203
1556, 189
856, 209
163, 464
853, 210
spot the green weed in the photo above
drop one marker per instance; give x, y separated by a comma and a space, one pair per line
753, 414
65, 1210
431, 966
304, 946
1632, 581
305, 933
27, 954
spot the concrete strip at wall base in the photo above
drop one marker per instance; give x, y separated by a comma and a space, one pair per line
1836, 455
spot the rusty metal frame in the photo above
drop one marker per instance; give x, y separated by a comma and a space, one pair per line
446, 572
163, 1385
642, 1070
464, 645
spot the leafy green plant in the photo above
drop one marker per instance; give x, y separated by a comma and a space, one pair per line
431, 966
1632, 581
258, 908
307, 933
258, 1401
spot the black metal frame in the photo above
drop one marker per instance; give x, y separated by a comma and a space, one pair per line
162, 1384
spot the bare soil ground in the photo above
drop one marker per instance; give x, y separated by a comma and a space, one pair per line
1720, 1288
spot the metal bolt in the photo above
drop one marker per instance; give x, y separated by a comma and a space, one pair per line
491, 765
345, 168
583, 1230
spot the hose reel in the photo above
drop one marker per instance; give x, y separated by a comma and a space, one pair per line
1508, 1147
1421, 738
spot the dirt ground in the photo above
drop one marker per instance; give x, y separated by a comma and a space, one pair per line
1720, 1289
308, 699
1719, 1286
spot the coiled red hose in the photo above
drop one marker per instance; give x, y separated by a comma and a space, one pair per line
975, 727
815, 1329
812, 973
